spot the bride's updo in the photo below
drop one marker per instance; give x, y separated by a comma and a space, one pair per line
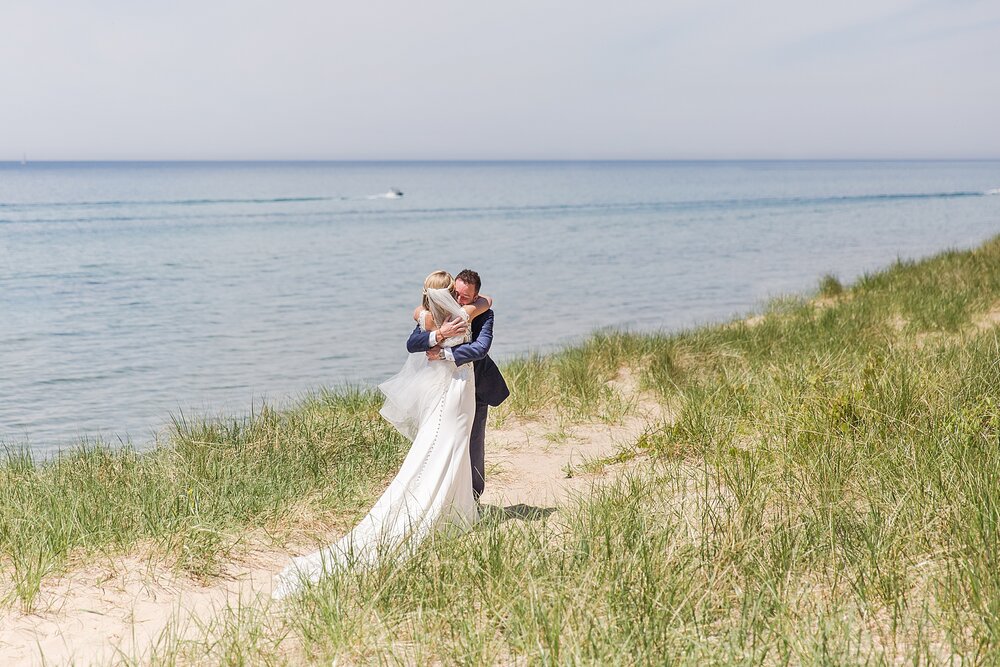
437, 280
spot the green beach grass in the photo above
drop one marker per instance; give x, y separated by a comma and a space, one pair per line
827, 491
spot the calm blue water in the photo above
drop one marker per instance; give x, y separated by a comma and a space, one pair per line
130, 292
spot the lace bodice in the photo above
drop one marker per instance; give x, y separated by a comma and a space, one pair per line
449, 342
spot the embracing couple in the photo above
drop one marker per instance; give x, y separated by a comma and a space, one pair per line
439, 401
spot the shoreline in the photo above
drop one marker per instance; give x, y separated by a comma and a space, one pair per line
103, 343
794, 434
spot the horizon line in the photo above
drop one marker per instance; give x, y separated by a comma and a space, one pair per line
26, 162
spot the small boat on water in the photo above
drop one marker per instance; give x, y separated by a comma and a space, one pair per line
393, 193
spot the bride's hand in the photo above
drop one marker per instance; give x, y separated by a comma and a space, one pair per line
455, 327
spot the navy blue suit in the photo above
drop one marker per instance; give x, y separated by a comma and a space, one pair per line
491, 389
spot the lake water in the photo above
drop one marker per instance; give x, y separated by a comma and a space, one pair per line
133, 291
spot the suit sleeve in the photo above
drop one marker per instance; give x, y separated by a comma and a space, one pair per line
419, 341
478, 348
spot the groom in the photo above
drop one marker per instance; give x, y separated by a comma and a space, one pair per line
490, 386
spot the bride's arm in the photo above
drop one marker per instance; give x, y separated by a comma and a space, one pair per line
479, 306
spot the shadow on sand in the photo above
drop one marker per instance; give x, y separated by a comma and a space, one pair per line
519, 511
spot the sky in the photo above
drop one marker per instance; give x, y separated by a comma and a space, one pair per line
381, 80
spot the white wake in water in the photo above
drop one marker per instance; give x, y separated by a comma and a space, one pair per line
994, 191
391, 194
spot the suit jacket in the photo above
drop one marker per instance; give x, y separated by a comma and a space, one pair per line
490, 385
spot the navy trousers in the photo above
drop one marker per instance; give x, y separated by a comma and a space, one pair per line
477, 449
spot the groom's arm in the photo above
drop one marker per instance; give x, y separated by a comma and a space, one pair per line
421, 341
478, 348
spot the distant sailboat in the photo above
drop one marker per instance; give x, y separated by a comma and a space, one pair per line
24, 158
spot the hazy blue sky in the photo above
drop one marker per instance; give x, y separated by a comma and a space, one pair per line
311, 79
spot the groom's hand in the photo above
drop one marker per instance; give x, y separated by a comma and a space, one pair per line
455, 327
435, 353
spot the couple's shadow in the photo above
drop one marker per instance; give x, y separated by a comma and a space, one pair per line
497, 514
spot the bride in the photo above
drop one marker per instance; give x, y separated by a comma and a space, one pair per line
432, 403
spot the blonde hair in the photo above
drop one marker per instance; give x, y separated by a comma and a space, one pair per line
437, 280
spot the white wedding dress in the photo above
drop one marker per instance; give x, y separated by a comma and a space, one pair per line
432, 403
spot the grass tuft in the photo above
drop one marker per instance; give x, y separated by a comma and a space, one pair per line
830, 286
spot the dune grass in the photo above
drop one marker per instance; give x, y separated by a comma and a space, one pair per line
190, 500
828, 492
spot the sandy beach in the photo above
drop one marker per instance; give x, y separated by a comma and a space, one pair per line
118, 610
